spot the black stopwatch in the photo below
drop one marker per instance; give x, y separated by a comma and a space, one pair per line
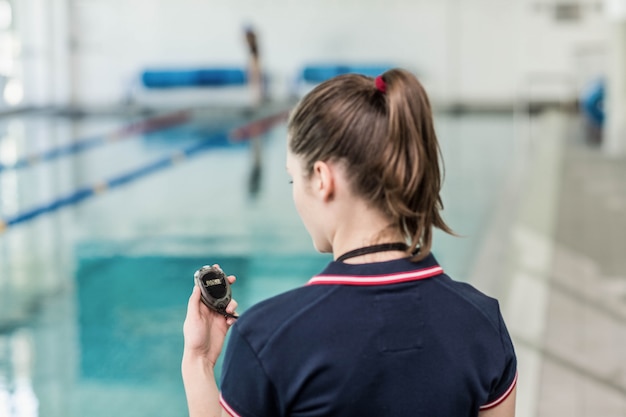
214, 289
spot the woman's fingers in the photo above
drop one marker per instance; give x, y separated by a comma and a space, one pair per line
194, 297
231, 278
231, 307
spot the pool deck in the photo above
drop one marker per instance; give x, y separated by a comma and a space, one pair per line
564, 289
584, 367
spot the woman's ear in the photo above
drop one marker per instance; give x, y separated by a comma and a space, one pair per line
324, 180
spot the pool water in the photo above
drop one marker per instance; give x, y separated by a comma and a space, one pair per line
93, 294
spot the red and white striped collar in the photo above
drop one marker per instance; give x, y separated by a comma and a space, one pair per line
381, 279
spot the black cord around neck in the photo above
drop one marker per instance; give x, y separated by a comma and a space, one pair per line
383, 247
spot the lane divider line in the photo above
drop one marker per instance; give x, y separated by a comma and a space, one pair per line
81, 145
247, 131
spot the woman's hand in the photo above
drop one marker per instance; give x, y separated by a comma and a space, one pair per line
204, 329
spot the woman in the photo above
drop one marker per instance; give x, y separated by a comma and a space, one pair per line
382, 331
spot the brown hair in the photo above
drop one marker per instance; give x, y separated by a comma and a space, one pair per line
385, 139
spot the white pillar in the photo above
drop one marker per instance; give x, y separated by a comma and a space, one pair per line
41, 28
60, 75
614, 139
31, 30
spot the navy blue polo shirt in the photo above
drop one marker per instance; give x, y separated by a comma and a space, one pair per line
393, 338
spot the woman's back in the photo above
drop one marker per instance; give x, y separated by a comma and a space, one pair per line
370, 340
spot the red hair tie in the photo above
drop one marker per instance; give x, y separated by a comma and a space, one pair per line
380, 84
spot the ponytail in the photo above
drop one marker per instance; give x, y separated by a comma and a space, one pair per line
382, 130
412, 174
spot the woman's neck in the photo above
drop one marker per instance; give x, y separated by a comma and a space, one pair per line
375, 253
363, 228
353, 223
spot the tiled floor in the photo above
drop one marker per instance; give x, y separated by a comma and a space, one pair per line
584, 351
555, 257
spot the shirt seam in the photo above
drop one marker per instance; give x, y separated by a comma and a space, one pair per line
260, 363
476, 307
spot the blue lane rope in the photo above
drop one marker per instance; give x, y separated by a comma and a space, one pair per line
258, 127
144, 126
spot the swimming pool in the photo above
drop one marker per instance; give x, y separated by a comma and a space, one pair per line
93, 293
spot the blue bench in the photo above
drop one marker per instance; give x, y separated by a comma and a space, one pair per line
322, 72
200, 77
185, 87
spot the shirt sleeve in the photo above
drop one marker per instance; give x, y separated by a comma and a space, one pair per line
504, 385
247, 391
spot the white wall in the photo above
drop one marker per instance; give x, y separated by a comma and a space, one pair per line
485, 51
